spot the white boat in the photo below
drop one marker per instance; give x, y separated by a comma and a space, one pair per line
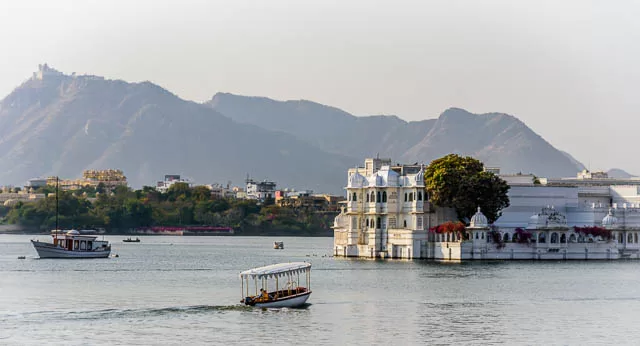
278, 245
277, 285
72, 244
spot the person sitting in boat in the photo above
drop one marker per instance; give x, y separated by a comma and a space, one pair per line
264, 294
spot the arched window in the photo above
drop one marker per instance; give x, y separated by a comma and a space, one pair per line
448, 237
384, 196
405, 196
554, 238
563, 238
419, 195
354, 197
542, 238
373, 197
630, 238
477, 235
378, 199
506, 237
367, 222
410, 196
378, 223
572, 238
482, 235
635, 237
367, 198
515, 237
405, 223
620, 238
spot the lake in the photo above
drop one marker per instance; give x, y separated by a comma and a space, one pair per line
186, 290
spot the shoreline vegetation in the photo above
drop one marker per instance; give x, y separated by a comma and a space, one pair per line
121, 211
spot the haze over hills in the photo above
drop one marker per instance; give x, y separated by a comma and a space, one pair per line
56, 124
498, 140
60, 125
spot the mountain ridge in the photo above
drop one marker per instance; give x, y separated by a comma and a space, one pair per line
57, 124
498, 139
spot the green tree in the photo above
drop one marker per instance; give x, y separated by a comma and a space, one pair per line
461, 183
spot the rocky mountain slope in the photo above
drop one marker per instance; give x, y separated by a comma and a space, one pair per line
499, 140
60, 125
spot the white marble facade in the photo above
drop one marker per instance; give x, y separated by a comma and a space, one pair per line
387, 215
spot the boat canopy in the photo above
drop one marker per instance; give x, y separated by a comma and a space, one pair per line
276, 270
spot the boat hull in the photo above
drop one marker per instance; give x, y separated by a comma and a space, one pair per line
287, 302
46, 250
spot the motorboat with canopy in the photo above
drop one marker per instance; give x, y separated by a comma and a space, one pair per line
276, 285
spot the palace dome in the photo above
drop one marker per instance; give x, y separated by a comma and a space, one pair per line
534, 220
357, 180
610, 220
478, 220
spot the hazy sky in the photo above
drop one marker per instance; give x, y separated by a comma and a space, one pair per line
568, 69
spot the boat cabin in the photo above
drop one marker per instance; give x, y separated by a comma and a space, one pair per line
73, 240
276, 285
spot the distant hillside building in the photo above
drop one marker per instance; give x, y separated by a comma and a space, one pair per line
308, 200
170, 179
110, 178
260, 190
45, 71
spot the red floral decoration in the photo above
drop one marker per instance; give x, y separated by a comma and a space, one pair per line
595, 231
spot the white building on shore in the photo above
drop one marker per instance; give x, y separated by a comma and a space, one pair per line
387, 214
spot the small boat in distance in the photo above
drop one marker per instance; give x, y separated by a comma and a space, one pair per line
129, 240
279, 245
72, 244
277, 285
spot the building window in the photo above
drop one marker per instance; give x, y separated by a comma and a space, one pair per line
572, 238
542, 238
405, 196
367, 222
554, 238
411, 197
378, 223
384, 196
419, 222
354, 197
373, 197
392, 222
367, 198
419, 195
563, 238
630, 238
506, 237
405, 223
378, 199
482, 235
477, 235
635, 237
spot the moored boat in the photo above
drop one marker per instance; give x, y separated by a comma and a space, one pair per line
278, 245
129, 240
277, 285
72, 244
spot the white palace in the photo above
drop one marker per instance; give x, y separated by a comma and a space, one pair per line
387, 215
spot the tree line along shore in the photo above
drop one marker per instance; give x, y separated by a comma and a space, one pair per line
122, 210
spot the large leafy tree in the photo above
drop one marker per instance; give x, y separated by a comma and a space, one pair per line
461, 183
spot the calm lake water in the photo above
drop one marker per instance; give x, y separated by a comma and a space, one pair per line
186, 290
